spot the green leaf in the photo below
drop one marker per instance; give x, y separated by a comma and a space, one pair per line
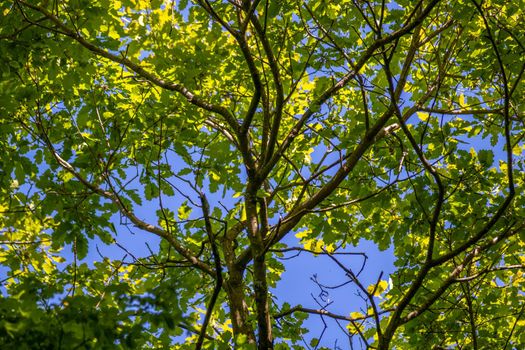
184, 211
154, 151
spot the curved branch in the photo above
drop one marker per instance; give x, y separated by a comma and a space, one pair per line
322, 312
452, 278
113, 197
279, 102
192, 98
333, 90
218, 270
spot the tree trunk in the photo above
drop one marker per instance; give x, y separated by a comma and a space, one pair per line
234, 287
260, 286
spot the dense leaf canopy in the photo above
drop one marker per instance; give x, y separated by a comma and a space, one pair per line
225, 136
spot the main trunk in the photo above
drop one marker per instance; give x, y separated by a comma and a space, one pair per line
234, 287
260, 286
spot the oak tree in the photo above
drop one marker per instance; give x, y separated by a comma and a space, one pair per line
227, 136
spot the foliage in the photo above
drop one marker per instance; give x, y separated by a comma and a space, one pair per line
216, 131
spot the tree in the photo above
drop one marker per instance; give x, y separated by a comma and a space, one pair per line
221, 130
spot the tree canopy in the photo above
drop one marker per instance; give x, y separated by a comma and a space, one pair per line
227, 136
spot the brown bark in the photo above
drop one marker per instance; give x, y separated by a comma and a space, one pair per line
234, 288
260, 286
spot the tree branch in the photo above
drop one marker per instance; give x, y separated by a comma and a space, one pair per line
112, 196
192, 98
218, 270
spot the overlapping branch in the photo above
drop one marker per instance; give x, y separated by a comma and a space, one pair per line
63, 29
123, 209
